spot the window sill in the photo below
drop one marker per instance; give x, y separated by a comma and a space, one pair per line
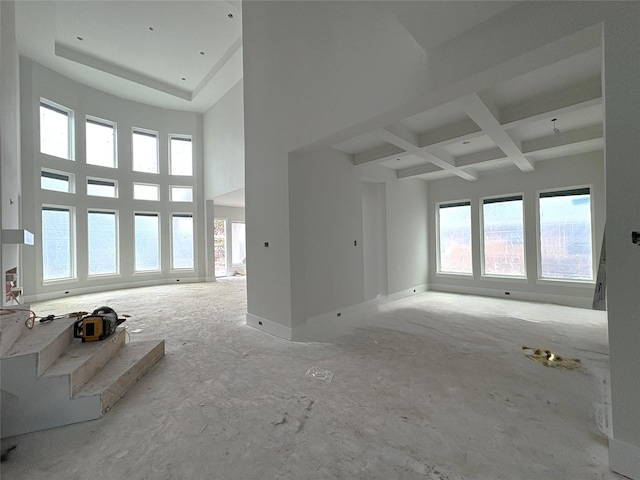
59, 281
100, 276
566, 282
505, 278
454, 275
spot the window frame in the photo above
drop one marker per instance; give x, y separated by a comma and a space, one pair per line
104, 123
146, 133
498, 199
171, 187
181, 138
73, 274
104, 182
193, 241
447, 204
71, 179
550, 280
56, 107
135, 250
144, 184
117, 242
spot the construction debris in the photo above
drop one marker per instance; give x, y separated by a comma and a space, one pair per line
550, 359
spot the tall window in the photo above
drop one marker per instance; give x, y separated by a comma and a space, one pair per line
147, 241
238, 246
103, 242
182, 240
57, 243
503, 239
102, 188
100, 137
565, 235
56, 181
180, 156
145, 151
454, 238
220, 246
56, 125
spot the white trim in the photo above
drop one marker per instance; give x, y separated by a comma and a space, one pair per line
70, 291
392, 297
624, 458
567, 300
268, 326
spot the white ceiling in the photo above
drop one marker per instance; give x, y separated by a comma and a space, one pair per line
174, 54
509, 125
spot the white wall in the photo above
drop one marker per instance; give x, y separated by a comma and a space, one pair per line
374, 239
10, 189
223, 141
38, 81
581, 170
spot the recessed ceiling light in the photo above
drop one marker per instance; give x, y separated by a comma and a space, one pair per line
151, 28
466, 142
230, 15
80, 38
201, 53
183, 78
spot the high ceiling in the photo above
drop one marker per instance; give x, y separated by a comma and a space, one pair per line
175, 54
549, 113
187, 54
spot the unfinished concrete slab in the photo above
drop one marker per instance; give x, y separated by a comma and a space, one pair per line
435, 386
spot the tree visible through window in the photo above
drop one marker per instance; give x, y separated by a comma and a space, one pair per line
220, 246
454, 238
565, 235
503, 243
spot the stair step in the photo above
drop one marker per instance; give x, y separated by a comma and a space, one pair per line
47, 340
122, 371
11, 326
81, 360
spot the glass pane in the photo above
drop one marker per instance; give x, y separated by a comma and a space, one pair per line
181, 194
565, 237
101, 190
54, 132
238, 247
56, 184
181, 157
182, 244
503, 238
100, 145
220, 246
455, 239
146, 192
56, 244
147, 242
102, 243
145, 153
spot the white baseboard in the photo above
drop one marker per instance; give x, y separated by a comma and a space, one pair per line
269, 326
408, 292
514, 294
71, 291
624, 458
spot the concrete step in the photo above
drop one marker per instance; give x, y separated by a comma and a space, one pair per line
47, 340
81, 360
11, 326
122, 371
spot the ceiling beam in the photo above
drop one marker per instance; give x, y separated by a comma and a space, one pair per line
484, 156
408, 141
484, 113
379, 154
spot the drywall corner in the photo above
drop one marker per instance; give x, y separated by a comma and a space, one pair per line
269, 326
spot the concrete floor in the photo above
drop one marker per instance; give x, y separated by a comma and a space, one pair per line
435, 386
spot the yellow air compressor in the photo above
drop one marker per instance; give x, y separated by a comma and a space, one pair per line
97, 326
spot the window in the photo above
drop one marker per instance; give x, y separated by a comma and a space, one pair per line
182, 241
145, 151
56, 181
102, 232
56, 136
238, 247
220, 246
57, 243
565, 235
100, 137
454, 238
143, 191
181, 194
102, 188
147, 241
180, 154
503, 236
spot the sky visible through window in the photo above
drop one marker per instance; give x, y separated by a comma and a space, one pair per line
145, 152
54, 132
